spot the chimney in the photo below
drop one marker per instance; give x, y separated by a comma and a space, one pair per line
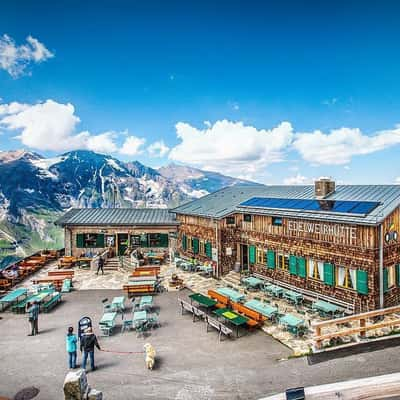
323, 187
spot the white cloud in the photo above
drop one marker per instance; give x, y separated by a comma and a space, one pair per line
158, 149
132, 146
52, 126
340, 145
103, 143
15, 59
297, 180
231, 147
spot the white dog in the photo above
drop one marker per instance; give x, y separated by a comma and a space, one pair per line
150, 355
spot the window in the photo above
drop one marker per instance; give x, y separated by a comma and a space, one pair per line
158, 239
188, 243
201, 248
346, 277
277, 221
247, 217
135, 240
90, 239
315, 269
283, 261
230, 220
260, 256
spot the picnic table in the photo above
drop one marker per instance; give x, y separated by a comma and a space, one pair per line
146, 301
13, 297
232, 294
293, 296
148, 282
292, 323
202, 300
252, 282
118, 303
56, 280
231, 316
275, 290
264, 309
208, 269
139, 316
325, 307
143, 276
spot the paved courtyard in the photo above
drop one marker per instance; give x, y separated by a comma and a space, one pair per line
191, 363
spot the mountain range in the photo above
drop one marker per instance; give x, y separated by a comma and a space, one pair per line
35, 190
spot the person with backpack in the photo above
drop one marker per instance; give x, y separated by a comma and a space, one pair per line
100, 265
71, 341
33, 316
88, 341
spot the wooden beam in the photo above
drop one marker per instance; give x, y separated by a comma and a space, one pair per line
374, 388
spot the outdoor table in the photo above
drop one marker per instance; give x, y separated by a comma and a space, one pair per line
118, 303
264, 309
108, 319
277, 291
232, 294
139, 316
203, 300
146, 301
325, 307
13, 296
292, 322
293, 296
42, 295
135, 282
144, 276
253, 282
206, 268
231, 316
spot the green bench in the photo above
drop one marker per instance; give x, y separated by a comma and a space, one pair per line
46, 307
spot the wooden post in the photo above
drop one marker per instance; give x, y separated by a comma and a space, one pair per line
362, 325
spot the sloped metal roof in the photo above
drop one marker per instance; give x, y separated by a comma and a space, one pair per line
227, 201
118, 216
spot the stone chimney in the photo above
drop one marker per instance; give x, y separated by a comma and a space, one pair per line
323, 187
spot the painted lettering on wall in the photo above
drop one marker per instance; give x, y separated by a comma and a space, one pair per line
339, 231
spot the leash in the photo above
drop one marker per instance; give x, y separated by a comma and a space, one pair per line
123, 352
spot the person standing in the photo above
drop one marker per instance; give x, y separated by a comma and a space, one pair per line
100, 265
33, 316
71, 341
88, 341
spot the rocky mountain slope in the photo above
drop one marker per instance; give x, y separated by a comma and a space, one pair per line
35, 190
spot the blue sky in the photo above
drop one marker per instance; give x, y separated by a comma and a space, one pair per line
246, 85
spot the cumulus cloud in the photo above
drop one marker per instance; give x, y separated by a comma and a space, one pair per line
132, 146
158, 149
51, 126
16, 59
340, 145
297, 180
231, 147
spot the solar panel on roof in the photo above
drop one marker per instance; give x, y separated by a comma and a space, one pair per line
339, 206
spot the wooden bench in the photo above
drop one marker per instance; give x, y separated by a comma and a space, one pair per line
153, 268
149, 272
255, 318
5, 284
64, 272
142, 289
221, 328
57, 281
46, 307
223, 301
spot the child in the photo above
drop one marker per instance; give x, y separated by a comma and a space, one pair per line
71, 341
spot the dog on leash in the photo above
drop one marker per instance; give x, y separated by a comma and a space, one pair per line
150, 355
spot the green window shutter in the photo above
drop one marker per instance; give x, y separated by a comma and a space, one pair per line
293, 265
100, 240
208, 249
329, 274
144, 240
385, 280
398, 275
184, 243
79, 240
271, 261
301, 267
252, 254
362, 281
195, 246
163, 240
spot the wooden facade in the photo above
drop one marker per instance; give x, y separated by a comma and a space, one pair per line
336, 260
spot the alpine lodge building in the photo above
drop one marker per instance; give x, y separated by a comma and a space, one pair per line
338, 243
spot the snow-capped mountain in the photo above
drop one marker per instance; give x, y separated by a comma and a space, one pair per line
34, 190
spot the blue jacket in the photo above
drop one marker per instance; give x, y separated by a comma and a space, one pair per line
70, 341
33, 312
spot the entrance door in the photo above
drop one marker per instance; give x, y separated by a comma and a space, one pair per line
122, 243
244, 256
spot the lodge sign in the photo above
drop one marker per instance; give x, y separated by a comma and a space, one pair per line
336, 230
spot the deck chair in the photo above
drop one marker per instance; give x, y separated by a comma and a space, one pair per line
106, 307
